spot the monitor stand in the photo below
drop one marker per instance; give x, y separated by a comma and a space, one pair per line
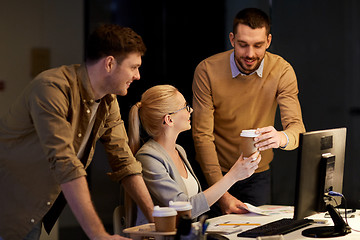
340, 228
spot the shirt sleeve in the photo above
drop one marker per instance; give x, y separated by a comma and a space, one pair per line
115, 141
49, 107
203, 126
290, 110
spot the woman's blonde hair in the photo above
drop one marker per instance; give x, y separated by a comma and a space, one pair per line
149, 113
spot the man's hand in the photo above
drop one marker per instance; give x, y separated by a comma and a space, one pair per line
230, 204
269, 138
110, 237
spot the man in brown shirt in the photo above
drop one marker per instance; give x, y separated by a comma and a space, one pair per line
47, 138
241, 89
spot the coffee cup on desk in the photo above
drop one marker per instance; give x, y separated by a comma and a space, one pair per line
247, 144
183, 208
165, 219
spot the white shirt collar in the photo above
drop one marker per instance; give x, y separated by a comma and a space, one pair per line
235, 70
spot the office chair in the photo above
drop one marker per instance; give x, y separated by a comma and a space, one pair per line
124, 215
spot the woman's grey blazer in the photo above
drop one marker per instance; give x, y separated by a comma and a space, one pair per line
164, 181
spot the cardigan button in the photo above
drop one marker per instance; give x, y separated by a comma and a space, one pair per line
32, 220
79, 135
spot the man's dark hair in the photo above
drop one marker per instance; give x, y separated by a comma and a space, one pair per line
252, 17
113, 40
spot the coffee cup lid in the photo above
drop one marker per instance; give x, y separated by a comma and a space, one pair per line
180, 205
249, 133
164, 211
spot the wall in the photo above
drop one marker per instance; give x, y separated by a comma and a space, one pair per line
321, 40
56, 25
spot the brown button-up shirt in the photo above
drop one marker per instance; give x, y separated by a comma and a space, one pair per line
39, 140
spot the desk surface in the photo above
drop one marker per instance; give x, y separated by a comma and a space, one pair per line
278, 212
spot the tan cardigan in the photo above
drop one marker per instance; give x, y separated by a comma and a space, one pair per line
223, 106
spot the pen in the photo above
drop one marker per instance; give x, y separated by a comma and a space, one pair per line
205, 226
238, 224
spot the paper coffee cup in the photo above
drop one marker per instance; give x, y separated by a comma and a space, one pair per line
182, 207
165, 219
247, 144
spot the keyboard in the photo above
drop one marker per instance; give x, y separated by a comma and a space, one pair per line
282, 226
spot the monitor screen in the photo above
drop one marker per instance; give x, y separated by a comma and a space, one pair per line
320, 169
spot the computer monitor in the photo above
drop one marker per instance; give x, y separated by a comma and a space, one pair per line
320, 169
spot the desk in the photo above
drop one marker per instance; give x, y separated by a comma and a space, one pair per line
286, 212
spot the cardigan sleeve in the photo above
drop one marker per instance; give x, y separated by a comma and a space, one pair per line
289, 105
203, 125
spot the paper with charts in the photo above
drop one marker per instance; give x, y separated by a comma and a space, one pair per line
230, 226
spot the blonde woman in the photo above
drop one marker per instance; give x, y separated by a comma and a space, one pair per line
163, 113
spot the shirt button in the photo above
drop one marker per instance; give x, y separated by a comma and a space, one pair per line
79, 134
32, 220
88, 111
92, 100
84, 101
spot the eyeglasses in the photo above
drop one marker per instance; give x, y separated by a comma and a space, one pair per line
187, 107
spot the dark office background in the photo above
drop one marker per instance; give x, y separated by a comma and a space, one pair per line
321, 39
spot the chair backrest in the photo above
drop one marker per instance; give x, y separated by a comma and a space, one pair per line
124, 215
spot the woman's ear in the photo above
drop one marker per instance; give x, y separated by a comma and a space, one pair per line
168, 120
